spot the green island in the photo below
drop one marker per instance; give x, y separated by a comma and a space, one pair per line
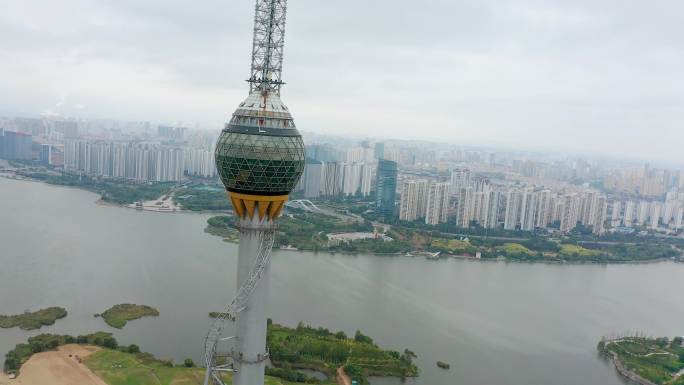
322, 350
118, 315
311, 232
646, 361
117, 365
33, 320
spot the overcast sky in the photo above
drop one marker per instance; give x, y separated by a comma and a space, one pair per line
594, 75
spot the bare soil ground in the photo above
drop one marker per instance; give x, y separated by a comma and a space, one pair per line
342, 377
57, 368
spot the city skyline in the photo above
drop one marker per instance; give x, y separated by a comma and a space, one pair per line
552, 74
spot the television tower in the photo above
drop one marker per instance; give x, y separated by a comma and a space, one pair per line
260, 158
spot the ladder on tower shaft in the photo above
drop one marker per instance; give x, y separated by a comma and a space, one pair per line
214, 368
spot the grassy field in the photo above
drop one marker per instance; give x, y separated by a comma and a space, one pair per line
119, 368
118, 315
453, 246
579, 251
35, 320
658, 360
513, 249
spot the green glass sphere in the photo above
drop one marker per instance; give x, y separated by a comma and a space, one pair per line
260, 151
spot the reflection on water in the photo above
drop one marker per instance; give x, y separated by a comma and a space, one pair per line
495, 323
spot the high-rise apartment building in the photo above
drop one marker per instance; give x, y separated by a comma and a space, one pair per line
512, 216
437, 203
464, 211
413, 199
460, 177
367, 171
528, 209
570, 214
125, 160
544, 209
46, 154
313, 178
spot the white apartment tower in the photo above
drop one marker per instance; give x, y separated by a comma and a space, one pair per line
437, 203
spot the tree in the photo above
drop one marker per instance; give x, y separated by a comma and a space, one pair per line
340, 335
677, 342
133, 349
37, 346
360, 337
188, 363
110, 343
52, 344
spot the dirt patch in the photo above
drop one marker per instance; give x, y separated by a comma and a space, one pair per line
57, 368
342, 377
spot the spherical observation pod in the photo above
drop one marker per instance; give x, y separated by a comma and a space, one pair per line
260, 153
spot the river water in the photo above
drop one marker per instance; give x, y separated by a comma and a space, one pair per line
494, 322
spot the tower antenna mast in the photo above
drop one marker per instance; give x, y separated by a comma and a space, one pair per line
267, 45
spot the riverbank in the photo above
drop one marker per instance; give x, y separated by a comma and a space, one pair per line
159, 204
317, 232
646, 361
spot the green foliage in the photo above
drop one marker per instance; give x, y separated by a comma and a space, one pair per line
118, 315
133, 349
360, 337
188, 363
109, 343
111, 190
323, 350
35, 320
202, 198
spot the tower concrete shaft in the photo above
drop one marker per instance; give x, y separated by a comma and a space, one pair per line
250, 345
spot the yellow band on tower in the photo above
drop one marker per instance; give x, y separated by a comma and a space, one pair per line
245, 204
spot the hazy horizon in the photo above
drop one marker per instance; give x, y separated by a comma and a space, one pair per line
595, 77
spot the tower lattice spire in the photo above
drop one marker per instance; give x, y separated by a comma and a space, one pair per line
267, 46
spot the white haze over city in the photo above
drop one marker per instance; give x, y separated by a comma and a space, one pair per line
601, 76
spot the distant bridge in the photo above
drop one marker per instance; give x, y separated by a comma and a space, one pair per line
305, 205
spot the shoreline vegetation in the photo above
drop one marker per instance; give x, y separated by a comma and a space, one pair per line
295, 353
193, 196
33, 320
118, 315
316, 232
646, 361
115, 364
306, 231
325, 351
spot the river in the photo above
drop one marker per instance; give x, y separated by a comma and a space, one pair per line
494, 322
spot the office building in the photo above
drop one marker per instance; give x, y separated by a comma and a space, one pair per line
386, 188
